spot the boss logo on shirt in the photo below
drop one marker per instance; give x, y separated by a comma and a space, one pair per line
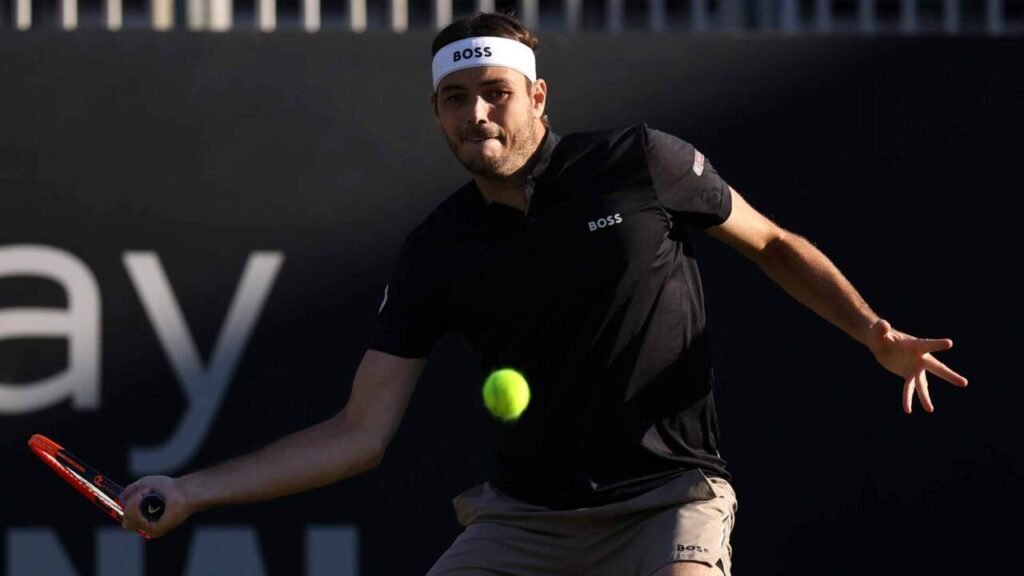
690, 548
604, 222
478, 52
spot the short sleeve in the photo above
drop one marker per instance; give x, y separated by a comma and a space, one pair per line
411, 314
688, 187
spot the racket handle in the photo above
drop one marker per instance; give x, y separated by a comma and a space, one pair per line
152, 506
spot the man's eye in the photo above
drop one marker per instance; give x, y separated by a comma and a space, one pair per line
454, 98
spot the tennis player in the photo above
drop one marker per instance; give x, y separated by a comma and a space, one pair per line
570, 259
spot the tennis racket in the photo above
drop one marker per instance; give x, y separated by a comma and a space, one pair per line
95, 486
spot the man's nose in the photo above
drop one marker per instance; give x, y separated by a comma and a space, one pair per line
481, 108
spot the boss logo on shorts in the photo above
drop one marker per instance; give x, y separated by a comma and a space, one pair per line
478, 52
683, 548
605, 222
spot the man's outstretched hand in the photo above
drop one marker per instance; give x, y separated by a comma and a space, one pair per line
911, 358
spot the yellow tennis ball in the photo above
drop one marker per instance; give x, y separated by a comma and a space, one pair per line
506, 394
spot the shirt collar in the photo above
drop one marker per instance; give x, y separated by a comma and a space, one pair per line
544, 157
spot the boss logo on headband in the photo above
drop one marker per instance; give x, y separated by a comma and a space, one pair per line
478, 52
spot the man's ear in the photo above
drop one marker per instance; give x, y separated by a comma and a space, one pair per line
540, 97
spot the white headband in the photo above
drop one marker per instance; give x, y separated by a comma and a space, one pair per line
484, 51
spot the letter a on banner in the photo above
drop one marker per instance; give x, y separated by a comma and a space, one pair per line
79, 323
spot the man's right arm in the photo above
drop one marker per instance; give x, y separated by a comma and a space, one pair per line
351, 442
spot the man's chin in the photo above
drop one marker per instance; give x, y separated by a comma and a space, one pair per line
482, 165
484, 170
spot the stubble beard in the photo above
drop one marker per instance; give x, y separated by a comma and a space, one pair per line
523, 141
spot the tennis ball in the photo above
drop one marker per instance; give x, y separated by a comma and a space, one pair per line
506, 394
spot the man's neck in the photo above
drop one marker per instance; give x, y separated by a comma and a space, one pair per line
510, 191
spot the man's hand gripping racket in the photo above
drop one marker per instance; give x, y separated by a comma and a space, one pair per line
97, 487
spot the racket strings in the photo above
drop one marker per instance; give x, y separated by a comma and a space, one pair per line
115, 508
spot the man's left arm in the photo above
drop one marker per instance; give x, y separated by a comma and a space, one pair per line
812, 279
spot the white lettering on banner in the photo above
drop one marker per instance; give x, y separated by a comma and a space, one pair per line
206, 555
33, 551
119, 553
213, 550
79, 323
332, 551
204, 387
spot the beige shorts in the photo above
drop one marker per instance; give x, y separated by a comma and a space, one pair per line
688, 519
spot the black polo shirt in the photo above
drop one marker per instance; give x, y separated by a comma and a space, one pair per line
594, 295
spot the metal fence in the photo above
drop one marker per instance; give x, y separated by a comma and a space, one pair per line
900, 17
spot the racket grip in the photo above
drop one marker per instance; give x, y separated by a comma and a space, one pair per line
152, 506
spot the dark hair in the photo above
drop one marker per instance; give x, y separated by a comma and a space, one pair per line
503, 25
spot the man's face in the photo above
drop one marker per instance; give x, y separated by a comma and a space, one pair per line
490, 120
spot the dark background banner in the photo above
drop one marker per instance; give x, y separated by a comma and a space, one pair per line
162, 164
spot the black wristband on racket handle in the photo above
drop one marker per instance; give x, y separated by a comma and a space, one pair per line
152, 506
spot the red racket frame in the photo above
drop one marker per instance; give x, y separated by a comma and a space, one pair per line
98, 488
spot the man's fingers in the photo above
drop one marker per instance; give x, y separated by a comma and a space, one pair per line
129, 492
129, 522
916, 382
922, 391
942, 371
926, 345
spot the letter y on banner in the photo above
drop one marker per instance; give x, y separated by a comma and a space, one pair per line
204, 386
